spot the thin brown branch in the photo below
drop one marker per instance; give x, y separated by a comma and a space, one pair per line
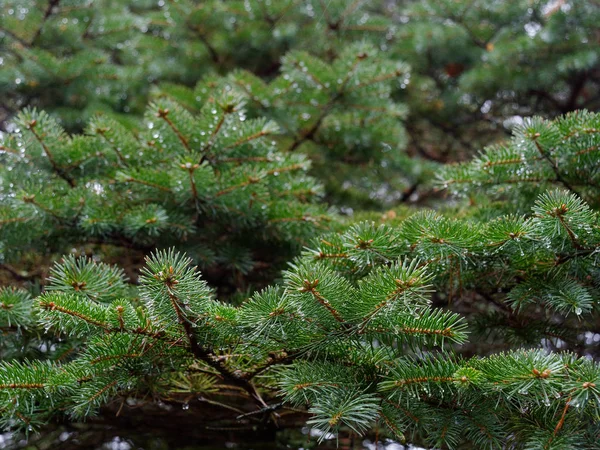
59, 170
163, 114
554, 166
101, 132
49, 11
147, 183
205, 355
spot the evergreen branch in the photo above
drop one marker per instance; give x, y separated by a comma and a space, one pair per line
23, 386
576, 131
222, 405
247, 139
52, 4
130, 179
585, 151
204, 355
286, 169
213, 135
380, 29
103, 390
80, 162
574, 240
20, 40
248, 182
311, 75
309, 286
59, 171
249, 93
297, 219
246, 159
102, 132
101, 359
561, 422
350, 9
31, 199
3, 148
24, 419
434, 379
162, 114
330, 24
272, 361
376, 80
322, 255
553, 165
307, 135
193, 185
52, 306
350, 326
211, 50
266, 409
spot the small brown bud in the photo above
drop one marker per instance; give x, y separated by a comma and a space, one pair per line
162, 113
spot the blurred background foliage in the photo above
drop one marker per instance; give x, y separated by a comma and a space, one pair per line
476, 65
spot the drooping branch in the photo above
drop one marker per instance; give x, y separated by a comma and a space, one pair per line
203, 354
554, 166
52, 4
57, 169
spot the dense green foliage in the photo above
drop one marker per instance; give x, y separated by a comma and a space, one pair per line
356, 332
354, 318
479, 65
342, 115
304, 208
181, 179
78, 57
540, 155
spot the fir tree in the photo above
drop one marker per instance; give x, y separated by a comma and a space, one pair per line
193, 137
215, 181
356, 332
343, 116
478, 66
340, 101
541, 154
74, 61
78, 58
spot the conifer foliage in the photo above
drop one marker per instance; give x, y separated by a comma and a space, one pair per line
341, 114
478, 64
183, 178
75, 58
351, 333
373, 326
541, 154
213, 143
